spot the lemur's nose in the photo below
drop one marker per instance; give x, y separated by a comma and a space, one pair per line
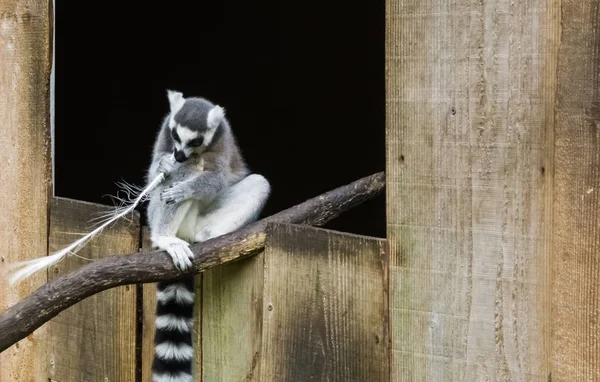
180, 156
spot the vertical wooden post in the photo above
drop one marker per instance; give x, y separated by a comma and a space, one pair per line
470, 123
25, 177
576, 255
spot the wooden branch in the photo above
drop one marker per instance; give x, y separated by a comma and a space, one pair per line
57, 295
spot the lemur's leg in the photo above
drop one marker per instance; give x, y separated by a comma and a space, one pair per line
164, 222
241, 204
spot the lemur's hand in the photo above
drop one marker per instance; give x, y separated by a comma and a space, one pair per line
175, 193
166, 164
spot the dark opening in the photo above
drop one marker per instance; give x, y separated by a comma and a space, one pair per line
302, 84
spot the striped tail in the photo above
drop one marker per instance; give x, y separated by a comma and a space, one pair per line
174, 355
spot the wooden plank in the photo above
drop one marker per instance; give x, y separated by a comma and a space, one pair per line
576, 254
26, 176
93, 340
149, 318
470, 106
325, 307
232, 320
227, 321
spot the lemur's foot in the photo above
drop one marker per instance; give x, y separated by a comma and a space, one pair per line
178, 249
181, 255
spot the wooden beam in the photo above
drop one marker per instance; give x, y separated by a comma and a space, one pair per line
576, 252
470, 122
25, 155
24, 317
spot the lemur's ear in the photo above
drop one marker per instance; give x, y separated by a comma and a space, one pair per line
215, 116
176, 100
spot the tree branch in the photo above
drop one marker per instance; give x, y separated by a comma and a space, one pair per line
59, 294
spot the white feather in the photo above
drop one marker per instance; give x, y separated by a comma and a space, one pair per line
29, 267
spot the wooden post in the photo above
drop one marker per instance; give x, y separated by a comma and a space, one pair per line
470, 165
25, 177
576, 251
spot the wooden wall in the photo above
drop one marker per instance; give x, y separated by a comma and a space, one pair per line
491, 267
493, 173
312, 306
95, 339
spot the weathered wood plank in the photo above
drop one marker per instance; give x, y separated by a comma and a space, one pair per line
470, 106
232, 320
576, 254
95, 339
148, 315
26, 175
149, 321
149, 318
227, 321
325, 307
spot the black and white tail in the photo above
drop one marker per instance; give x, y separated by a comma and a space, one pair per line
174, 354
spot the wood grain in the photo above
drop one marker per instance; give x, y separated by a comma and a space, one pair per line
148, 321
576, 255
26, 176
232, 321
93, 340
59, 294
227, 320
470, 120
325, 307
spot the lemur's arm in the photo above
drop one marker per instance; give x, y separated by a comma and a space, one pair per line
162, 155
207, 184
204, 185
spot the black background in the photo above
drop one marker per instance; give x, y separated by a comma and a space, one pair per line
302, 84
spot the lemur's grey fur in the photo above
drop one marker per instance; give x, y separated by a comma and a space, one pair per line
208, 192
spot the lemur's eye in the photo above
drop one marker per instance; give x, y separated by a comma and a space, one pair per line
175, 135
196, 142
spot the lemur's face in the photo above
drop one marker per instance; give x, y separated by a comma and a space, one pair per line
186, 142
193, 124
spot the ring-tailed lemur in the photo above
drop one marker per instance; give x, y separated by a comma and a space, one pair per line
208, 191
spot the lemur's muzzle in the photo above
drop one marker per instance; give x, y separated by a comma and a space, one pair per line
180, 156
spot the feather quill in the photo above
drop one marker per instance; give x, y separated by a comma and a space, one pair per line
29, 267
